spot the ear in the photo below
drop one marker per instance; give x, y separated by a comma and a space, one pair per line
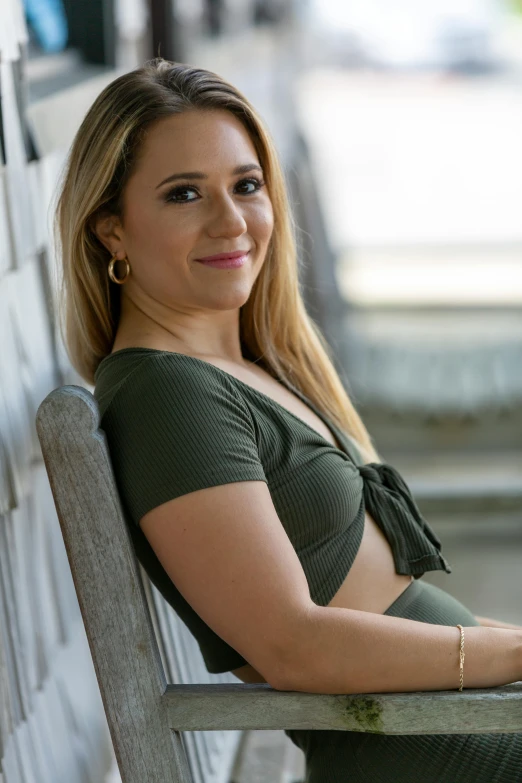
109, 231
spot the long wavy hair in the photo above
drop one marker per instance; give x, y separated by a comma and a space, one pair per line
275, 329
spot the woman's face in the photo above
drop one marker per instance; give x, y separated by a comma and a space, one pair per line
169, 220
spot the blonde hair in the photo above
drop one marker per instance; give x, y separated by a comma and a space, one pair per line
275, 328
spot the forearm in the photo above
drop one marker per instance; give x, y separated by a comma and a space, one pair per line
488, 622
350, 651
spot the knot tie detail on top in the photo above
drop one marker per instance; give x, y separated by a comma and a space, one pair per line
415, 546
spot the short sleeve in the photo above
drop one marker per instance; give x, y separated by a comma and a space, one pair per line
177, 425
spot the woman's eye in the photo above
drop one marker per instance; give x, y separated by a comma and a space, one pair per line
172, 195
175, 196
252, 181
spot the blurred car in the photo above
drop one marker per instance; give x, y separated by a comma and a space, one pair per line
452, 35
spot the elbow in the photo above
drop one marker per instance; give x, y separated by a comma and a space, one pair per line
291, 665
278, 673
290, 680
282, 676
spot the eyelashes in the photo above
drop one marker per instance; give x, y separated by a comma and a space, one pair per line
172, 195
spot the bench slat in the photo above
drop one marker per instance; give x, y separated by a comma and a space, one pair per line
258, 706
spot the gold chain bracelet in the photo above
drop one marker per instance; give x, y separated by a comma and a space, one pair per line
461, 656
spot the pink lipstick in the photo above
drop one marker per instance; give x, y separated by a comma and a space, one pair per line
225, 260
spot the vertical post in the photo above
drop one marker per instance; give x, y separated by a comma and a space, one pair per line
109, 589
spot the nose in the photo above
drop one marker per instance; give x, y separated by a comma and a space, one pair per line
227, 219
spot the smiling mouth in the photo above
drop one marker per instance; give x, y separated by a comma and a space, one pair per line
228, 262
225, 256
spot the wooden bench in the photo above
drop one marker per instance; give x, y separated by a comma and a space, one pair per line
150, 718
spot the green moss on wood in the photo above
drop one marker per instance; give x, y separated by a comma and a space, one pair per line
366, 712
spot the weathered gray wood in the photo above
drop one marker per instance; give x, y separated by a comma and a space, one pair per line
109, 589
249, 706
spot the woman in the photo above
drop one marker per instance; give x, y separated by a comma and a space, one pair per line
256, 501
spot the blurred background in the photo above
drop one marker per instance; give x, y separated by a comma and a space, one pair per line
399, 126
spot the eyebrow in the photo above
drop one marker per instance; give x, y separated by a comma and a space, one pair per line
200, 175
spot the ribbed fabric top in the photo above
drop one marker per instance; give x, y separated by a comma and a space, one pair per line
175, 424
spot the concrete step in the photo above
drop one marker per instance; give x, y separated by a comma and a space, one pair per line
439, 361
454, 483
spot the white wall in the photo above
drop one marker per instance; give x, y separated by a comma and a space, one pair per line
52, 724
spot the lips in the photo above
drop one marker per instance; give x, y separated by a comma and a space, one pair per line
226, 263
224, 256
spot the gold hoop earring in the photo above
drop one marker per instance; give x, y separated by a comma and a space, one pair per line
111, 270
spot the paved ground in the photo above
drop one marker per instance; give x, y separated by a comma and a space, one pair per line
416, 158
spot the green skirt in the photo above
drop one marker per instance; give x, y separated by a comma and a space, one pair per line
356, 757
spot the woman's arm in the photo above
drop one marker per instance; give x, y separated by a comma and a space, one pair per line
487, 621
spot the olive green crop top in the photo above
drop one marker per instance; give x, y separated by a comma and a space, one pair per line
175, 424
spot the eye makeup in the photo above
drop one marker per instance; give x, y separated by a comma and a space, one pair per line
170, 196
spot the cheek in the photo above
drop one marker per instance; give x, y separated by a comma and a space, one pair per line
179, 226
262, 222
167, 227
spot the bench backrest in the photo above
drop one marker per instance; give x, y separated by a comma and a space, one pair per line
119, 604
